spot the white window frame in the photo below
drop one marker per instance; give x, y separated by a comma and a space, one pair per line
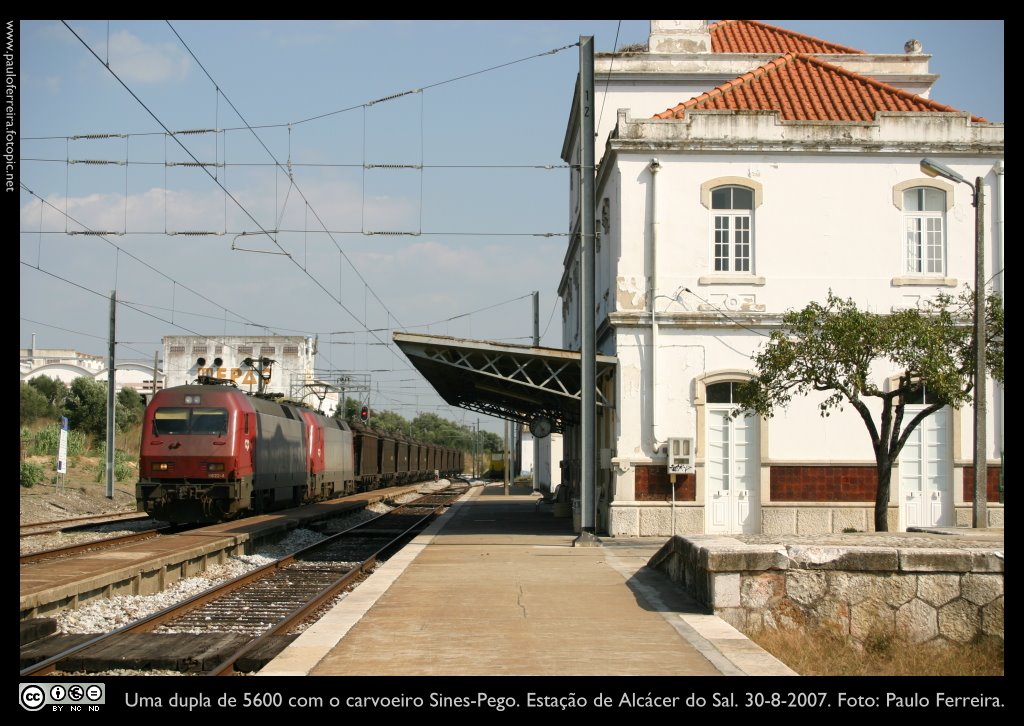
744, 217
924, 234
906, 275
731, 230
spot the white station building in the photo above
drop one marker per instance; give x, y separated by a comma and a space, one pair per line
743, 171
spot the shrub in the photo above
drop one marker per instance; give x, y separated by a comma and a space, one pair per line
46, 442
31, 474
77, 443
122, 467
33, 405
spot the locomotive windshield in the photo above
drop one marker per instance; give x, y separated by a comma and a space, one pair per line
190, 421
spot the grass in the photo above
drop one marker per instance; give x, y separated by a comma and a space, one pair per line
824, 653
85, 468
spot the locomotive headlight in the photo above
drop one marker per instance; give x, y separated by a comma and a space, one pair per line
215, 467
162, 465
192, 399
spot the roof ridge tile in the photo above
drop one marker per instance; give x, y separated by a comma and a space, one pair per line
752, 35
888, 88
802, 86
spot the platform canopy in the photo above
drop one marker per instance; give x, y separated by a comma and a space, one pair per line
515, 382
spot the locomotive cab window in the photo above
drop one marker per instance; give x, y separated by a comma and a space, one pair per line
209, 421
172, 421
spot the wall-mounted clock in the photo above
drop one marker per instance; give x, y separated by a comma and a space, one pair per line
540, 427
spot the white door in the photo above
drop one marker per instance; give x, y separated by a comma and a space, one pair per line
733, 464
926, 472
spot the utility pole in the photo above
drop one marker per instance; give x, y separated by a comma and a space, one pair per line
588, 383
156, 362
536, 318
536, 344
111, 382
508, 463
979, 507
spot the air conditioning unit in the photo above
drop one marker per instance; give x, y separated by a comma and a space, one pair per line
680, 454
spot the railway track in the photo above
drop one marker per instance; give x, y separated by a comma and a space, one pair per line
65, 525
213, 631
98, 544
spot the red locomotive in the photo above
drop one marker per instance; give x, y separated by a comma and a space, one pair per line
211, 453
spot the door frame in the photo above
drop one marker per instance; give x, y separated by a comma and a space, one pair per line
949, 503
725, 375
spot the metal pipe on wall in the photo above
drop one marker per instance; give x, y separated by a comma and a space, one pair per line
655, 167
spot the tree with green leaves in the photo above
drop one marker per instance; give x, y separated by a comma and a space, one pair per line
34, 405
129, 408
389, 422
86, 406
53, 389
834, 349
349, 411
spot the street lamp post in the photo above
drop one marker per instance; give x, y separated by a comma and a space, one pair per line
979, 509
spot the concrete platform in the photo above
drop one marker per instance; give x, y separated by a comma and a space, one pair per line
496, 587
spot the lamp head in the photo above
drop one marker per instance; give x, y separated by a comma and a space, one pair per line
934, 168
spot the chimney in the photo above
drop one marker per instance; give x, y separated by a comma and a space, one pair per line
679, 36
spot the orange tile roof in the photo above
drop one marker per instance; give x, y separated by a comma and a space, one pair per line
751, 36
804, 88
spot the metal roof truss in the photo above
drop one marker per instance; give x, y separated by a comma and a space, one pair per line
512, 382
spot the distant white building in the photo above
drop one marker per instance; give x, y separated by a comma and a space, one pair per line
744, 170
288, 370
65, 364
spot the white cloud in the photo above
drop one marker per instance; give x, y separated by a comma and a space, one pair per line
141, 62
338, 205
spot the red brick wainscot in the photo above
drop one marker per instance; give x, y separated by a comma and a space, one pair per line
651, 484
992, 479
823, 483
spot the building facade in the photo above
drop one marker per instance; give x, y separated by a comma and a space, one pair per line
743, 171
269, 364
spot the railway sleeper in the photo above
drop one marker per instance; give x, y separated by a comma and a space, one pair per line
182, 652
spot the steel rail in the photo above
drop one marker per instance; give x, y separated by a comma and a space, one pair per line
77, 522
95, 544
154, 620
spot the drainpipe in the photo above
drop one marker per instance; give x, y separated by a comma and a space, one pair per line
999, 228
655, 167
999, 284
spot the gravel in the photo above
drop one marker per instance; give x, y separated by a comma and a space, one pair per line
55, 540
101, 616
105, 615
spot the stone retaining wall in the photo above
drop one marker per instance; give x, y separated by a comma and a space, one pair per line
917, 594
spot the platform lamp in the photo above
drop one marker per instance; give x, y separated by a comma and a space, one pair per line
934, 168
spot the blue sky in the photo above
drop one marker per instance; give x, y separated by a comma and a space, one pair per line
489, 116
